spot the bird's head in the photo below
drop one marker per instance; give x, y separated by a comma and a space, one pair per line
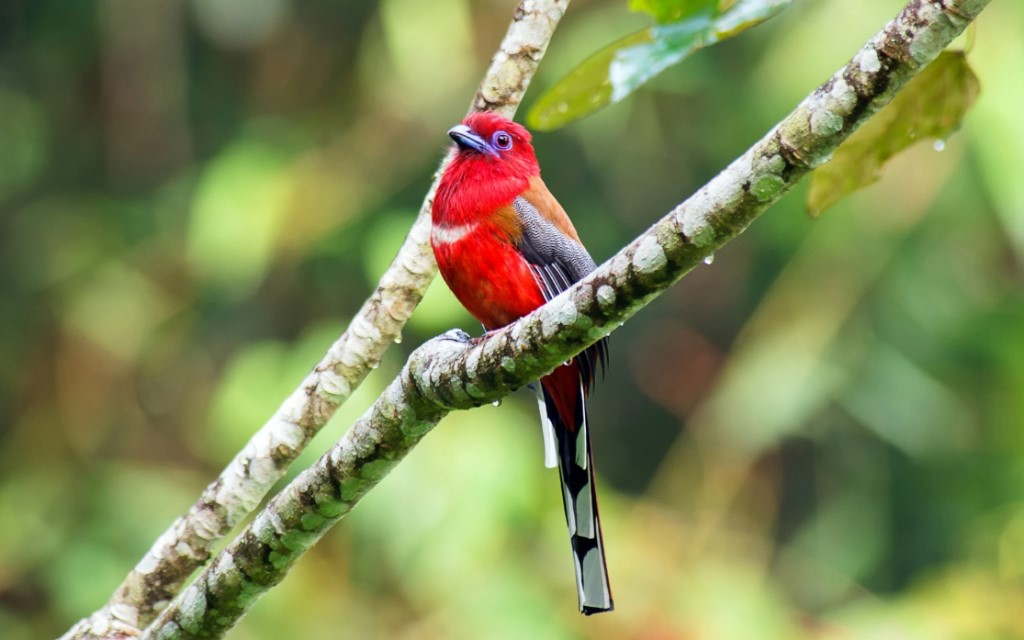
488, 138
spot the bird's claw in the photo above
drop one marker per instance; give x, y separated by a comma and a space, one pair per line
456, 335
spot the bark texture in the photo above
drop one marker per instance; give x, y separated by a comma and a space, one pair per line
456, 372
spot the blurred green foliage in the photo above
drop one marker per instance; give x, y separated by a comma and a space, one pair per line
818, 436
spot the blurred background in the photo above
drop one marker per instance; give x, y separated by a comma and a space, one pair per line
820, 435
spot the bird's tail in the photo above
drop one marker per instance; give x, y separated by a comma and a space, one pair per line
565, 414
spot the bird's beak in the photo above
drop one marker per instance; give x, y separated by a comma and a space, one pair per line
466, 138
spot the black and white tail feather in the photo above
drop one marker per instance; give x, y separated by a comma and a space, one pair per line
575, 463
557, 262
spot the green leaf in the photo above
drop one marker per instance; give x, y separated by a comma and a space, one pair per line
674, 10
932, 106
619, 69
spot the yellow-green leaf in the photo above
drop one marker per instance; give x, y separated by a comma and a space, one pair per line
621, 68
674, 10
931, 107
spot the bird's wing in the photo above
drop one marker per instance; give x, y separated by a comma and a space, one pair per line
557, 261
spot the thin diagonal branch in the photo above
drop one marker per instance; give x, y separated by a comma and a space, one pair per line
243, 484
454, 372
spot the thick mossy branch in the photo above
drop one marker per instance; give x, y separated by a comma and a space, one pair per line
456, 372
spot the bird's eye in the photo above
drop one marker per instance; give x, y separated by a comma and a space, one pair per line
502, 140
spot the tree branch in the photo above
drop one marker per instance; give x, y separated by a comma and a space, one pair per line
455, 372
243, 484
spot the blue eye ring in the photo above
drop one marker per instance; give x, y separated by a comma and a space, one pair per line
501, 140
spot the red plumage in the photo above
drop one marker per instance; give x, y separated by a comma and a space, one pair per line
505, 246
484, 270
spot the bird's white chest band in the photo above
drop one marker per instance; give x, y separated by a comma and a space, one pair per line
449, 233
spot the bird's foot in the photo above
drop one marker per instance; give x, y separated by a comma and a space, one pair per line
456, 335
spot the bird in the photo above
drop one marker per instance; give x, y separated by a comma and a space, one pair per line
505, 246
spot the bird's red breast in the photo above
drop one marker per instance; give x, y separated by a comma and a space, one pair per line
486, 273
476, 229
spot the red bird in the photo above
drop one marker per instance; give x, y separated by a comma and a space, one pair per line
505, 247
